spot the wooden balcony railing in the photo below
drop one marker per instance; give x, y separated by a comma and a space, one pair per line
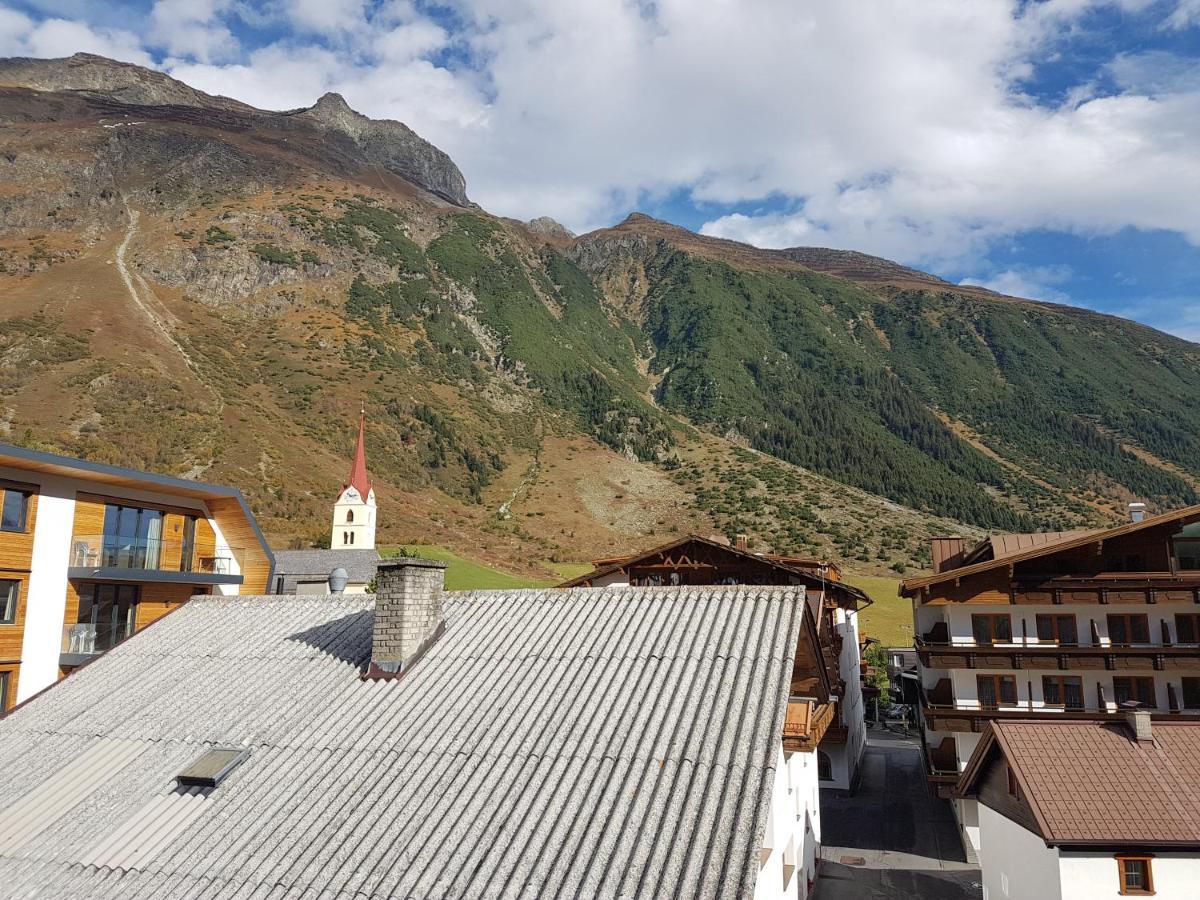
1111, 587
806, 723
1046, 655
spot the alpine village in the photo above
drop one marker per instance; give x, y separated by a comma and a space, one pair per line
358, 543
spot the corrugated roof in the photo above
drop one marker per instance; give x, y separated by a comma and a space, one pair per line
597, 742
295, 565
1091, 782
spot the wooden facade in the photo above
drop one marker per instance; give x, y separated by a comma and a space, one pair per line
211, 524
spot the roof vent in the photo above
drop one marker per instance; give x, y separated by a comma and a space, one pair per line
1137, 512
213, 767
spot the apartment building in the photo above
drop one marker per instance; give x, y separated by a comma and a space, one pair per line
1076, 625
697, 560
91, 553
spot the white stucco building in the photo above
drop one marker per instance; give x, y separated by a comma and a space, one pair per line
1087, 810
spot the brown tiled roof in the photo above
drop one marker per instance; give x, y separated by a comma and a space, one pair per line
1091, 782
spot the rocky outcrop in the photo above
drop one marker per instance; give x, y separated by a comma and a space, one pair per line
347, 140
392, 145
548, 227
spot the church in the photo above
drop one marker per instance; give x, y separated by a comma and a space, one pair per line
351, 540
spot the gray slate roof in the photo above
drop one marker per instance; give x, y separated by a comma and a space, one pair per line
583, 743
315, 565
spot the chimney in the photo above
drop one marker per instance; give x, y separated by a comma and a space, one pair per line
741, 542
408, 614
1138, 720
1137, 512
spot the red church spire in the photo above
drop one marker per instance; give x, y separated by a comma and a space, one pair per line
358, 472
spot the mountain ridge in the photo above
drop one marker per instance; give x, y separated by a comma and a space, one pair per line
214, 290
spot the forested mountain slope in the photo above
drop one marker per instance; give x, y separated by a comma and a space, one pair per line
198, 287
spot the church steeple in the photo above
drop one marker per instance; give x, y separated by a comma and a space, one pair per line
354, 510
359, 479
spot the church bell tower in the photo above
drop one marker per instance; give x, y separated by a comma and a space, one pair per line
354, 510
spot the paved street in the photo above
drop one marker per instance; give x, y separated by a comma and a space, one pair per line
893, 840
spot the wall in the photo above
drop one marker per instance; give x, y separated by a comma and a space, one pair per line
793, 833
1093, 876
47, 594
363, 526
845, 758
1016, 864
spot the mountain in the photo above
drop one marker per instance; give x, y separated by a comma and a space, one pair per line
199, 287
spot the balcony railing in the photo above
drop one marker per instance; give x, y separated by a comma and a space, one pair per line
106, 551
84, 639
1027, 653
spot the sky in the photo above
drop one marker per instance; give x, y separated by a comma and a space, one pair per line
1043, 148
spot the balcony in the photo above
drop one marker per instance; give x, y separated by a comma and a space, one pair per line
83, 641
110, 557
1030, 654
1110, 587
806, 723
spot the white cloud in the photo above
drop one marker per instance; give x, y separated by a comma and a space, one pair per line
1031, 282
192, 28
22, 36
1185, 15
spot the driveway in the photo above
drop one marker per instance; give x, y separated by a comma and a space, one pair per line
893, 840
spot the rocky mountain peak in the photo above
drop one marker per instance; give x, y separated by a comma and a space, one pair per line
548, 227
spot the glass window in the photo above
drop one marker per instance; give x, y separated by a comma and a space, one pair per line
1140, 690
1135, 875
1059, 628
1063, 690
5, 678
1187, 628
996, 690
15, 510
1191, 693
10, 592
1185, 548
111, 612
1128, 628
991, 629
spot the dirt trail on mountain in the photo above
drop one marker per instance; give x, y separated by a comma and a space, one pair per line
159, 320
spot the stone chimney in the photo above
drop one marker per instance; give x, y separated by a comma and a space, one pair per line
1138, 720
1137, 512
408, 614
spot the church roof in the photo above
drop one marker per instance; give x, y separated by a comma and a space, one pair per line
359, 478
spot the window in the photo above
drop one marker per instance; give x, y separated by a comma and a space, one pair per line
1191, 693
14, 509
991, 629
1185, 548
1135, 874
1128, 628
824, 766
1187, 628
996, 690
1063, 690
1014, 789
107, 615
10, 593
1057, 628
5, 677
352, 537
1139, 690
132, 537
349, 517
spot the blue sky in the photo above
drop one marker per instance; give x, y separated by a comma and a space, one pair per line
1047, 149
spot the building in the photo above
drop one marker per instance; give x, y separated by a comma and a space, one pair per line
1087, 809
1072, 625
354, 510
696, 560
529, 743
308, 571
91, 553
351, 539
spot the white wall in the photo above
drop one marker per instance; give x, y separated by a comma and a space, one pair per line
46, 603
1024, 619
845, 758
1016, 864
1093, 876
363, 526
793, 833
612, 579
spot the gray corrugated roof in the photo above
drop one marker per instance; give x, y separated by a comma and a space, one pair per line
585, 743
294, 565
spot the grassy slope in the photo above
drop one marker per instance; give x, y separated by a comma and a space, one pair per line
466, 575
886, 617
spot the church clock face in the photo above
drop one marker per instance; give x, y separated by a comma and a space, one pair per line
351, 494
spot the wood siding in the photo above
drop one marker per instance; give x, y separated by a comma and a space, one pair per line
238, 531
